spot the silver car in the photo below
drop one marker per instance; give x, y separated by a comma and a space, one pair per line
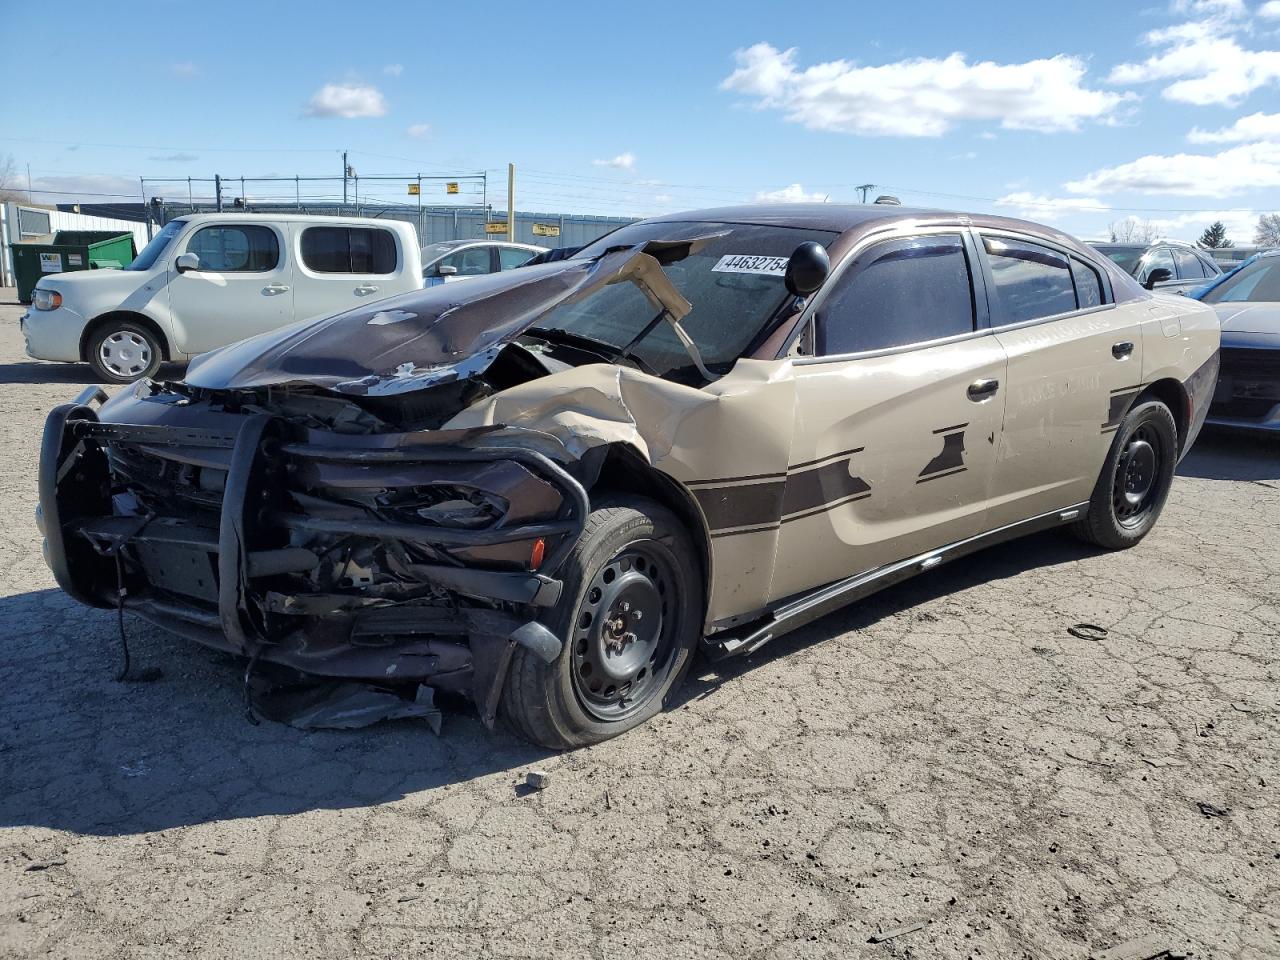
452, 260
1169, 266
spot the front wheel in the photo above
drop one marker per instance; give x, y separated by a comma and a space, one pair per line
123, 351
1135, 479
630, 617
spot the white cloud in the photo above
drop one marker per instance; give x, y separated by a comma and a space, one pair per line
419, 130
393, 69
175, 158
920, 97
1203, 57
184, 69
662, 198
348, 100
792, 194
1270, 10
1035, 206
623, 161
1189, 226
1249, 166
1256, 126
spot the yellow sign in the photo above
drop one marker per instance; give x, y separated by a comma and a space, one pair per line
415, 189
495, 227
546, 230
450, 187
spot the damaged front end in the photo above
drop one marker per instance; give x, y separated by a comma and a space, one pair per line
388, 558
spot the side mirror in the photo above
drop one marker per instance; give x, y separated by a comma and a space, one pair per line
187, 261
1158, 275
807, 269
446, 270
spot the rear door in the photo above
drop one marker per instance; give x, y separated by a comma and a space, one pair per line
898, 413
1075, 365
340, 266
244, 285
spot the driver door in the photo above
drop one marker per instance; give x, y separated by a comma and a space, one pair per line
243, 287
898, 413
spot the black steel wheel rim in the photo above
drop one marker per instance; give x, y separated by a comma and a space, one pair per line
1136, 488
623, 633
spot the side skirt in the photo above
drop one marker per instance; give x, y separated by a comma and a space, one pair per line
796, 611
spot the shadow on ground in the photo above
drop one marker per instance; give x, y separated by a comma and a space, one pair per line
1221, 454
39, 371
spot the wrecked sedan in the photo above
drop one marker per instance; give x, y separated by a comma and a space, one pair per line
548, 489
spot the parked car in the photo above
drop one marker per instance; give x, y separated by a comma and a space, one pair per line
1247, 301
549, 488
1167, 265
206, 280
452, 260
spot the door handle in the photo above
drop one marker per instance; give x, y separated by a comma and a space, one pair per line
981, 390
366, 288
1121, 351
273, 288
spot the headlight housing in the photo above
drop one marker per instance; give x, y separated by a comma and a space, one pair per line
43, 299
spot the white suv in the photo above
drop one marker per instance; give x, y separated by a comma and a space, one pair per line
210, 279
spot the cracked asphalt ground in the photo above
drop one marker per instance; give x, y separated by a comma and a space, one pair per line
944, 753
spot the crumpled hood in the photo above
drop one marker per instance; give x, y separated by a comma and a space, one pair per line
1249, 317
436, 335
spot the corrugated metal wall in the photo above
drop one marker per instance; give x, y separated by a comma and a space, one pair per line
18, 221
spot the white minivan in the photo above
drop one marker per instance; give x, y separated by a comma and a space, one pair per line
209, 279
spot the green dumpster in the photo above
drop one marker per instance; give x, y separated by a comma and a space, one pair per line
68, 250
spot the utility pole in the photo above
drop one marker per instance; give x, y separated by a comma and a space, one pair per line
217, 192
345, 168
511, 202
864, 188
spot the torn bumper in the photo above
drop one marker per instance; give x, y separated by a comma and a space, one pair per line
219, 550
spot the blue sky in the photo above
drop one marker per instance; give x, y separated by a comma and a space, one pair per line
1080, 113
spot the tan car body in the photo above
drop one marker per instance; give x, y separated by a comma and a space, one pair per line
808, 471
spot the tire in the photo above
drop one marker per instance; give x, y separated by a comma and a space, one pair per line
122, 351
630, 617
1134, 483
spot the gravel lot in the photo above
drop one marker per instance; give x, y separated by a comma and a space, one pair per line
945, 753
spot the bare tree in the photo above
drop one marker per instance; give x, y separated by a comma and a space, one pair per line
1267, 233
1132, 230
8, 180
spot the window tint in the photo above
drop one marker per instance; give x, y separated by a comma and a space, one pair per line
511, 257
236, 249
897, 293
1189, 267
1211, 268
1088, 286
349, 250
469, 262
1257, 283
1158, 258
1031, 281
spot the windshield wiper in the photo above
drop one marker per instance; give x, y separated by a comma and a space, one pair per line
600, 348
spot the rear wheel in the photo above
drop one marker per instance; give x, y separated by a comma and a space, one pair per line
1135, 479
630, 618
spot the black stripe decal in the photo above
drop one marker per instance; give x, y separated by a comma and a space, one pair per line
826, 484
750, 504
831, 456
723, 480
939, 476
826, 507
952, 454
734, 533
1119, 406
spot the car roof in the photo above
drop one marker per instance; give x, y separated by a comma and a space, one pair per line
242, 216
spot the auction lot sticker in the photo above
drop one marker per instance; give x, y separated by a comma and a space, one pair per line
50, 263
745, 263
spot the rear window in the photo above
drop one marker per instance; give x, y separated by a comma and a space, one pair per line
1088, 284
348, 250
1031, 281
1259, 282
